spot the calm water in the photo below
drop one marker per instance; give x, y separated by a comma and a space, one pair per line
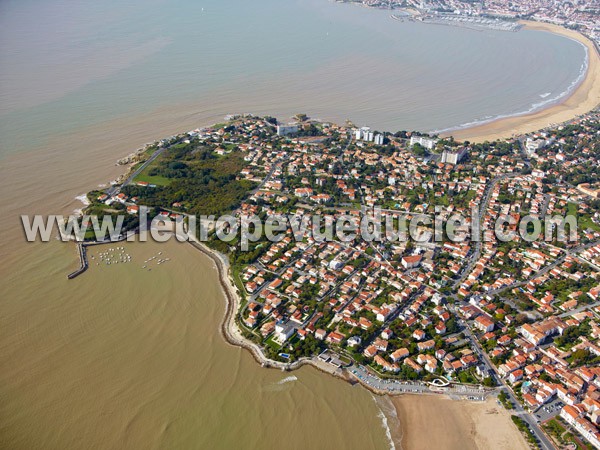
131, 358
123, 357
68, 64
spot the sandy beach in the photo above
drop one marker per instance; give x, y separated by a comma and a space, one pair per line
439, 422
585, 98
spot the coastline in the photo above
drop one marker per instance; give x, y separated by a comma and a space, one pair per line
583, 99
230, 331
232, 334
578, 102
228, 327
397, 420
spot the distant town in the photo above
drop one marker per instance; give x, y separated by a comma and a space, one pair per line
516, 319
581, 15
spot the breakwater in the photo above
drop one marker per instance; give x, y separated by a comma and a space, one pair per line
83, 262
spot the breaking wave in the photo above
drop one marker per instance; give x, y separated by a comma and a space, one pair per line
83, 199
384, 420
288, 380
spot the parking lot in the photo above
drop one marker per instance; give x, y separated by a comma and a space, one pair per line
549, 410
417, 387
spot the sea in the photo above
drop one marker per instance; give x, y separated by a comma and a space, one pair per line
129, 354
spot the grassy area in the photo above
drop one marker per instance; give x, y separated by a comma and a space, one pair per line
191, 173
90, 234
555, 429
467, 376
271, 343
151, 149
584, 222
156, 180
231, 239
237, 279
504, 400
471, 194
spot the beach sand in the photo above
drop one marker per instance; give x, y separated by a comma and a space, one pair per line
585, 98
438, 422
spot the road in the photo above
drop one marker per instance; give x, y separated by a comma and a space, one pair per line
544, 209
417, 387
268, 176
545, 269
580, 309
112, 190
531, 421
476, 253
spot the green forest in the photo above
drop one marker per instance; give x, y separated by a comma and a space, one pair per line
202, 181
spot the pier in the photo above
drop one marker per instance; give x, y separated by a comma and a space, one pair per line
83, 262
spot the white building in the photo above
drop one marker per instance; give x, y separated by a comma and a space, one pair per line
283, 332
354, 341
365, 134
362, 133
336, 264
533, 145
379, 139
575, 416
453, 156
424, 141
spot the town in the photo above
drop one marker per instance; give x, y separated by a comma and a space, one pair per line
468, 318
499, 14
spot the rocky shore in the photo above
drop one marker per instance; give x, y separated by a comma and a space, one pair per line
232, 334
